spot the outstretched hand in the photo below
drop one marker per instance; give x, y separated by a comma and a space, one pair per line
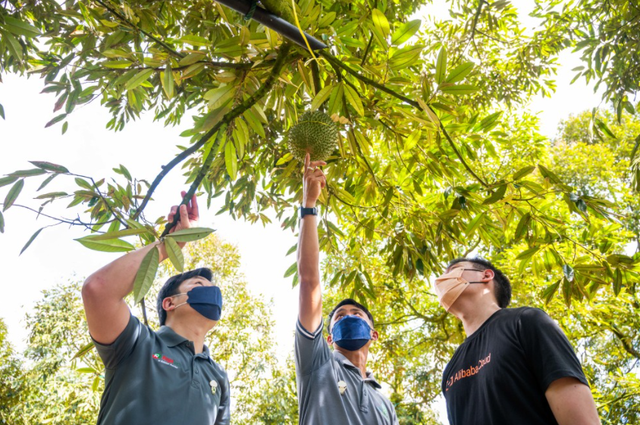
189, 214
313, 182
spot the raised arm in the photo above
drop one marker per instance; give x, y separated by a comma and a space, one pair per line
310, 308
103, 292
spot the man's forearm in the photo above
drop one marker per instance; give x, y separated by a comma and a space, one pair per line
115, 280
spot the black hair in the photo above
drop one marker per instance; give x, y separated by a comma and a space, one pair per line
170, 288
503, 285
348, 301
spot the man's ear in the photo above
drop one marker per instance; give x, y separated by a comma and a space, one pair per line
488, 275
168, 304
330, 339
374, 335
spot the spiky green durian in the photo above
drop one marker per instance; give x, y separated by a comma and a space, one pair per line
315, 133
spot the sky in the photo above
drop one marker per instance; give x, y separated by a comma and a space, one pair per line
88, 148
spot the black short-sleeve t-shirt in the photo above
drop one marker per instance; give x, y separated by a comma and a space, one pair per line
500, 373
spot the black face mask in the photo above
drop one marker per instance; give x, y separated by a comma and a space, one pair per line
351, 333
206, 300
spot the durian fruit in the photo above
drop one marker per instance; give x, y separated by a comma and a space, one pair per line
315, 133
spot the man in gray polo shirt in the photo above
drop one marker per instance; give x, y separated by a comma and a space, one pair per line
163, 377
333, 388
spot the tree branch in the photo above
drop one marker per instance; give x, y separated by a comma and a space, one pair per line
235, 112
334, 61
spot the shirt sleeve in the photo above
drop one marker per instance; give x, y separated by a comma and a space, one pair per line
113, 354
547, 349
312, 351
224, 410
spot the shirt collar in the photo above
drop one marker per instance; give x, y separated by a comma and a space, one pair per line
172, 339
169, 337
347, 363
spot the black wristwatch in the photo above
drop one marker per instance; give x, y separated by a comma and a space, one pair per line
308, 211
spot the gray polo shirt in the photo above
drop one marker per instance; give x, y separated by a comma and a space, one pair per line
156, 378
320, 374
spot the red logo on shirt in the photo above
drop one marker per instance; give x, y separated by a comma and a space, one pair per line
465, 373
163, 359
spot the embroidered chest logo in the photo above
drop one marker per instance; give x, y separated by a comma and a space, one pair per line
383, 409
164, 360
470, 371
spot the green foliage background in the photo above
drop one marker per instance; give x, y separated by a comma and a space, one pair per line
438, 158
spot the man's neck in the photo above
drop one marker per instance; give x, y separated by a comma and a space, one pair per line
357, 358
192, 332
474, 314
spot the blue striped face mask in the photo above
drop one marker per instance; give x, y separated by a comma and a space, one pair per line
206, 300
351, 333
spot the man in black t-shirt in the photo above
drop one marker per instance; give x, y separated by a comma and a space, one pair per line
516, 365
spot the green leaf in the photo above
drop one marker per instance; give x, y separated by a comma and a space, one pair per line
523, 172
489, 122
497, 195
83, 183
474, 224
18, 27
175, 254
617, 282
406, 56
13, 194
83, 351
47, 181
441, 65
65, 126
117, 234
405, 32
550, 291
28, 173
2, 111
1, 223
15, 49
458, 89
167, 82
335, 101
380, 22
119, 64
528, 253
110, 245
138, 79
321, 97
191, 234
196, 40
231, 160
7, 180
50, 167
291, 270
52, 195
146, 274
354, 99
31, 239
459, 72
55, 120
523, 226
86, 370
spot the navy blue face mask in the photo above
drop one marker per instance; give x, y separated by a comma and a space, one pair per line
351, 333
206, 300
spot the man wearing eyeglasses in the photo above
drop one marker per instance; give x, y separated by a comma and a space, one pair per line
516, 365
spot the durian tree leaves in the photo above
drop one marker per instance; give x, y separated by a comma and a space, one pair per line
146, 274
175, 254
417, 189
